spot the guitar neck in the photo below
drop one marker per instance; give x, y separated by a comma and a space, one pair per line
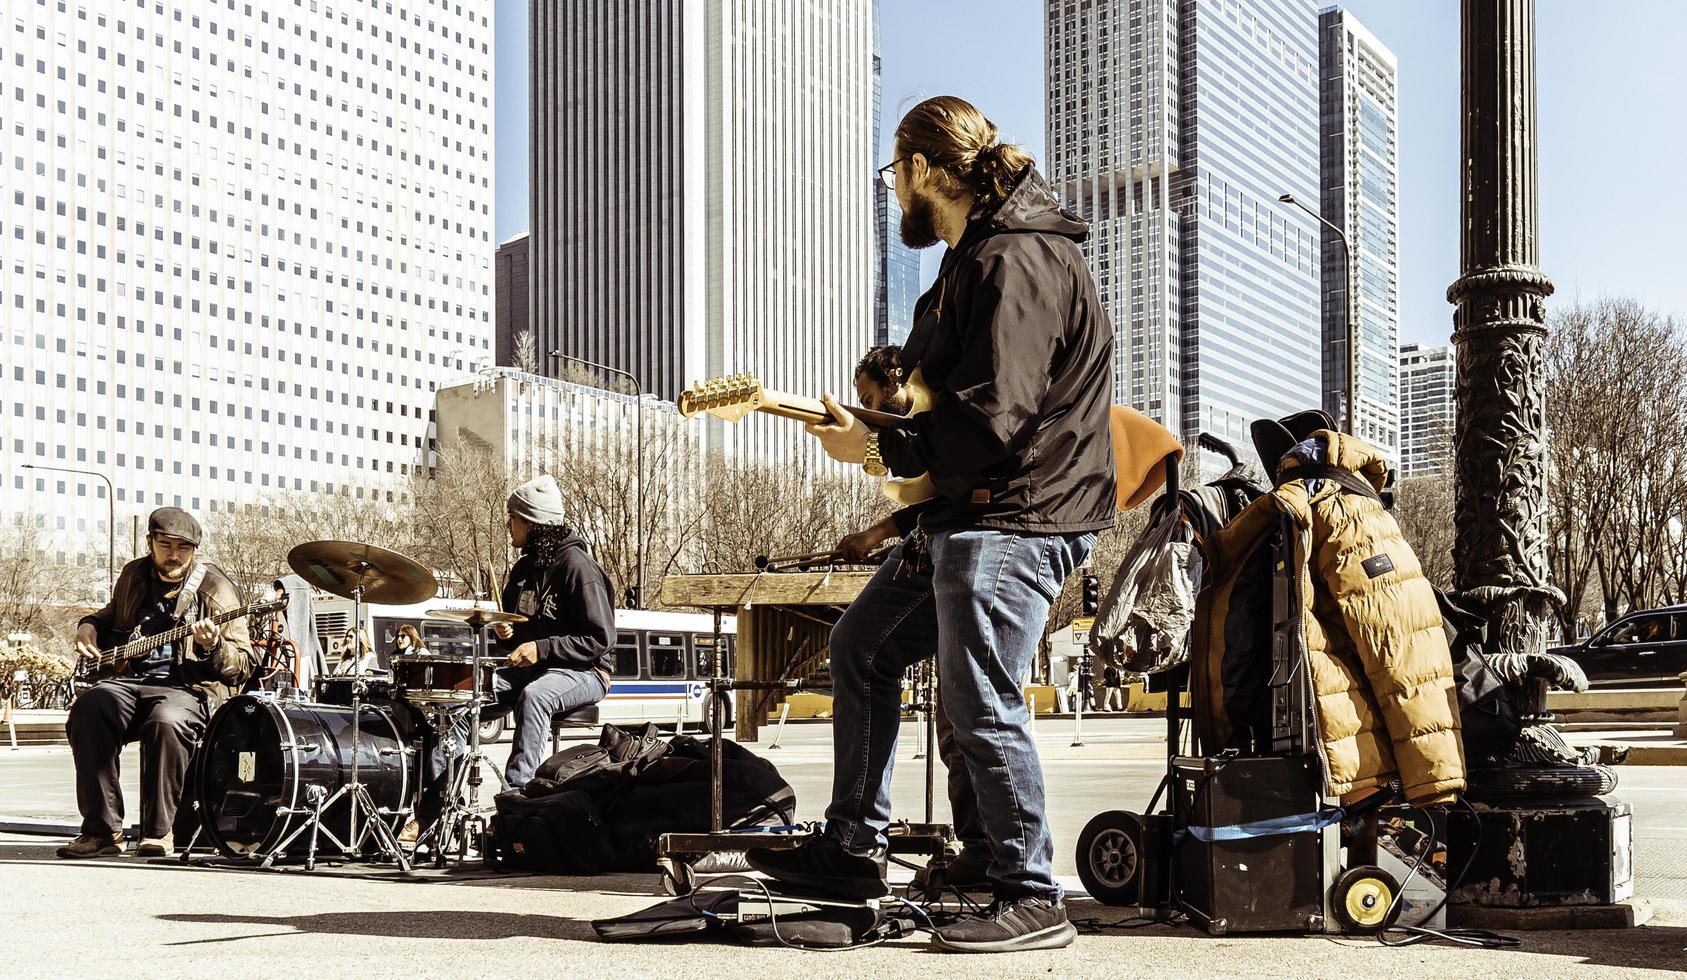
147, 644
805, 409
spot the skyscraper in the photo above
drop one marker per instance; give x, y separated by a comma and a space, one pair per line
896, 267
1360, 147
1174, 126
514, 344
701, 201
898, 277
1428, 377
242, 245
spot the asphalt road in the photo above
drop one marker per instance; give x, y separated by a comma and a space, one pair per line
127, 917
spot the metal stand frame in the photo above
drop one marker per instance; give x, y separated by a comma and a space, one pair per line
675, 851
386, 843
460, 819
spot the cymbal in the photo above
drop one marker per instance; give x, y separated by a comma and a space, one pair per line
477, 617
339, 567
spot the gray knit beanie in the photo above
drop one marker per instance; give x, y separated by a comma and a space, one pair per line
538, 501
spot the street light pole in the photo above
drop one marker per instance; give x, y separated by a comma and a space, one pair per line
638, 430
1352, 387
110, 516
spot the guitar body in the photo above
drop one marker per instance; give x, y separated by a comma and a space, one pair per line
1140, 445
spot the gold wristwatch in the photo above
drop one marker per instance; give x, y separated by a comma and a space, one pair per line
873, 464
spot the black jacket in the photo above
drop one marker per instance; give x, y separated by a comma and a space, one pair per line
1015, 345
569, 609
217, 673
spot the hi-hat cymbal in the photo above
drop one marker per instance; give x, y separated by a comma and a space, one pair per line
477, 617
340, 567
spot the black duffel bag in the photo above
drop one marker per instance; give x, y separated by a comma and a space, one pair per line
596, 808
671, 796
559, 833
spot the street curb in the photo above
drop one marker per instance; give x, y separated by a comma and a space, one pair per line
1641, 755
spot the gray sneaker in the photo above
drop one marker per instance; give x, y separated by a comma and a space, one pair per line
93, 846
1009, 926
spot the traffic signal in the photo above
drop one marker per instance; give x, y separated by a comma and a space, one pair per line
1092, 595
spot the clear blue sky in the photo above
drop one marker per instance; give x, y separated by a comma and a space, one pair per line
1610, 128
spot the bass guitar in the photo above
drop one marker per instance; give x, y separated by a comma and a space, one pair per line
737, 395
107, 663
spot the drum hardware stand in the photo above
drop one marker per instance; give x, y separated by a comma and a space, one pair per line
386, 843
675, 852
460, 819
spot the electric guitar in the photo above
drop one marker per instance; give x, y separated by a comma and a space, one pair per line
107, 663
733, 397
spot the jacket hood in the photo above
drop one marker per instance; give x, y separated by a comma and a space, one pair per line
1031, 207
1345, 451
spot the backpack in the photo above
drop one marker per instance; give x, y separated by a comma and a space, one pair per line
1142, 626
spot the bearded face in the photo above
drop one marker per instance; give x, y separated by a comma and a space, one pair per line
919, 220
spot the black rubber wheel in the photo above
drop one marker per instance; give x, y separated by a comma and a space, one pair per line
1363, 899
1110, 858
707, 725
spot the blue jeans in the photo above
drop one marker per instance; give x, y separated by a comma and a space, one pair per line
981, 609
534, 694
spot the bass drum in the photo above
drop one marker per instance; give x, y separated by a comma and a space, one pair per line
264, 759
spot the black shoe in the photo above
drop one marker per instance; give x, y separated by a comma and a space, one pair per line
821, 867
967, 872
1008, 926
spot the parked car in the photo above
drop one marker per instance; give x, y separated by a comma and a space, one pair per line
1644, 649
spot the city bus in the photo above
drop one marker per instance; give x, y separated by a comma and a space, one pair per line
658, 669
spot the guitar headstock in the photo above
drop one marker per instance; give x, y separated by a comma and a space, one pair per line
730, 398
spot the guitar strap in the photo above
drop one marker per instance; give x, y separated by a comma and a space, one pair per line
189, 592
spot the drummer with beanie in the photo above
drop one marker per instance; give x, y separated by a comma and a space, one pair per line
559, 658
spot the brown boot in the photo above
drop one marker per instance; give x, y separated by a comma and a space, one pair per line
93, 846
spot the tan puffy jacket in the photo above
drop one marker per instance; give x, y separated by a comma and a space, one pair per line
1381, 670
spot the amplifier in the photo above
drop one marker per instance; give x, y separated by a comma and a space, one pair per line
1273, 883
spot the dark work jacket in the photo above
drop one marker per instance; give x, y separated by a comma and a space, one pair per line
218, 673
1018, 352
569, 609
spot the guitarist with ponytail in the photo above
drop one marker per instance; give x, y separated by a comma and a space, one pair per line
161, 698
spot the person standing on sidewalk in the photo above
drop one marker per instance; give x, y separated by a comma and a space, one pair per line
1017, 350
878, 386
163, 701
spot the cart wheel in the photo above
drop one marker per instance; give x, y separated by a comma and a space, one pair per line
677, 879
1363, 899
1110, 858
707, 725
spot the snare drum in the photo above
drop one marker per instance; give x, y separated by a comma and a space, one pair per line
336, 688
436, 678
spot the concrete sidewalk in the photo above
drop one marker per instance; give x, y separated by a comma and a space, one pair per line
162, 919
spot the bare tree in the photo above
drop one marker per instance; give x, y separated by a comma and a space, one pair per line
1423, 507
39, 593
458, 520
525, 352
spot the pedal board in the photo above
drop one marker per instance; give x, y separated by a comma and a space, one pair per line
755, 905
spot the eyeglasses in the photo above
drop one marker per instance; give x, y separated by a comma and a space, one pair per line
887, 173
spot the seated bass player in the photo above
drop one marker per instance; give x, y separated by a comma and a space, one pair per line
162, 700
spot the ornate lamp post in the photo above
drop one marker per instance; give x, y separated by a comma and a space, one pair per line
1554, 837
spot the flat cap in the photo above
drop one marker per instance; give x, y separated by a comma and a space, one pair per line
175, 522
